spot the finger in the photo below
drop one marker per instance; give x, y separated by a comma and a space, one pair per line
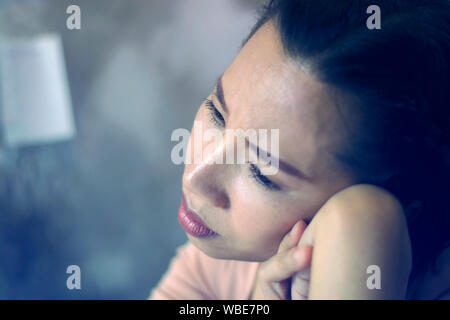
285, 264
298, 297
273, 291
292, 238
263, 291
280, 288
307, 251
304, 274
299, 288
301, 280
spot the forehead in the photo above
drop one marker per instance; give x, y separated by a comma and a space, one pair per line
265, 89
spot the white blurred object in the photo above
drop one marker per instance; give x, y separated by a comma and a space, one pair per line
34, 98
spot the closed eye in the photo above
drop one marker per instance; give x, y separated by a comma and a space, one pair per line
256, 174
214, 114
218, 120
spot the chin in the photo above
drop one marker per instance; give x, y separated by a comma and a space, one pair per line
216, 250
212, 248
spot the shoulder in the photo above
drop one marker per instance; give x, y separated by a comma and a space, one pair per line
194, 275
362, 210
359, 227
368, 200
356, 210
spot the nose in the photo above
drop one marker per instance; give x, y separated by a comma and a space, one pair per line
207, 176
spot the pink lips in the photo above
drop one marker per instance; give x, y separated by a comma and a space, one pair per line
192, 223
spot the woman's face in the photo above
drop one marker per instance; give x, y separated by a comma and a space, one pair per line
264, 89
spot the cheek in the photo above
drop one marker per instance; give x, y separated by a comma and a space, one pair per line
257, 225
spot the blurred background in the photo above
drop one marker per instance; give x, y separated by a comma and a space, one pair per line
85, 123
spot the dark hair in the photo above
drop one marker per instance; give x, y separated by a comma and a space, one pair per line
399, 78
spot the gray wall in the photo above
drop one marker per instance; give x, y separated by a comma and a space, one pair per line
107, 200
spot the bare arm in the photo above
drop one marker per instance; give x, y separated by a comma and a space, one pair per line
359, 227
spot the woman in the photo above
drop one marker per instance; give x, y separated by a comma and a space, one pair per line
358, 209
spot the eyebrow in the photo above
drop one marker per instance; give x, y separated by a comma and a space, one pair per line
284, 166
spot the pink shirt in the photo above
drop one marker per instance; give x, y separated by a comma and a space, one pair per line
192, 275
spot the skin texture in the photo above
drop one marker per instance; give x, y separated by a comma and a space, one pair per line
360, 226
265, 89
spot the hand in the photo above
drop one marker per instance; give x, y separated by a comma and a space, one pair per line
291, 264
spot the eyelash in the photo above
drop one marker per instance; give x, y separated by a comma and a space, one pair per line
214, 114
255, 173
